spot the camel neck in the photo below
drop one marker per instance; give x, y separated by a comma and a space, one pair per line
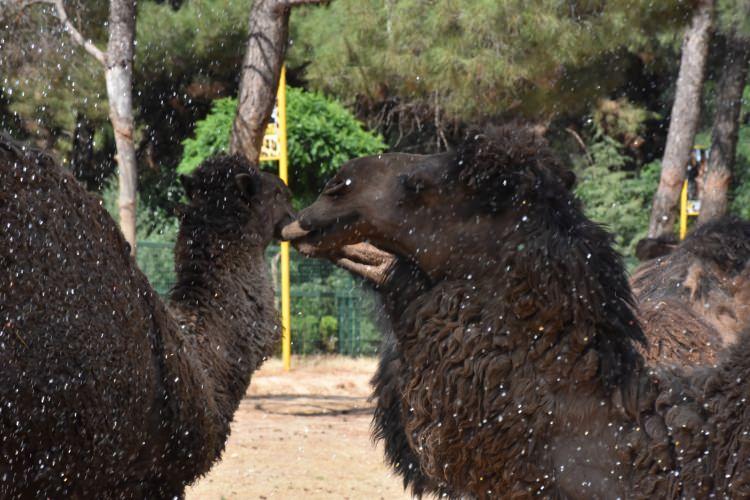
224, 303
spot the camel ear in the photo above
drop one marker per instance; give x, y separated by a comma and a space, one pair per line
249, 185
568, 178
188, 185
421, 178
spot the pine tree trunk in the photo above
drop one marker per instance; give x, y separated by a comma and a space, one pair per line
119, 78
683, 121
725, 130
266, 48
261, 68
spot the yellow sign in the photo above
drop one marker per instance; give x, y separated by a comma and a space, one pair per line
271, 148
274, 149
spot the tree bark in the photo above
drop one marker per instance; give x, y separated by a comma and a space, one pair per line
683, 121
266, 48
119, 78
118, 74
725, 130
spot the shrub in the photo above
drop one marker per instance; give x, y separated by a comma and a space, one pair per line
618, 199
321, 134
329, 333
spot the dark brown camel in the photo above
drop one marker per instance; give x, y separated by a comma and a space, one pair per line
106, 391
522, 377
706, 279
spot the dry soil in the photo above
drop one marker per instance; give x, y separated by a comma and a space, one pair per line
303, 434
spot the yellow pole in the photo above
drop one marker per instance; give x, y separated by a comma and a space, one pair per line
683, 210
286, 315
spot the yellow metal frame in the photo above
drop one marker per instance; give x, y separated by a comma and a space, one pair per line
275, 148
286, 316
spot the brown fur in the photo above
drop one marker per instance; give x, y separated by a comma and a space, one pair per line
698, 294
652, 248
520, 372
105, 391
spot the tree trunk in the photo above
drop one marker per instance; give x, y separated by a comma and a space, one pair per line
725, 130
683, 121
119, 78
266, 47
261, 68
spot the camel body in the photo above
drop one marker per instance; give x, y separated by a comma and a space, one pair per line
519, 373
697, 295
106, 391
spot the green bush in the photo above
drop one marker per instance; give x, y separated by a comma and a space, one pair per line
329, 333
322, 135
619, 199
211, 135
740, 193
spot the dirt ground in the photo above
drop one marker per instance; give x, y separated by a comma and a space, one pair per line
304, 434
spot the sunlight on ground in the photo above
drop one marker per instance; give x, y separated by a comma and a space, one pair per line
303, 434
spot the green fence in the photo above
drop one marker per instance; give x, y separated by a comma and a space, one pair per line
331, 311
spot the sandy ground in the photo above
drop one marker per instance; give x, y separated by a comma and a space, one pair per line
304, 434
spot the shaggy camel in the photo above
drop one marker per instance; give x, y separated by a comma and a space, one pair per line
521, 371
676, 331
706, 279
106, 391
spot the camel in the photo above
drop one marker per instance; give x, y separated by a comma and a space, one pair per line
706, 278
105, 390
522, 375
652, 248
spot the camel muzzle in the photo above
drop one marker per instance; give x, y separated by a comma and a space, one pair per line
293, 231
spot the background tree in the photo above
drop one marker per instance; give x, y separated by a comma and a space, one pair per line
118, 73
684, 120
569, 66
418, 73
266, 47
734, 24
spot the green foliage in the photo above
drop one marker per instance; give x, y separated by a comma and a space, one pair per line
620, 118
740, 192
477, 58
184, 59
322, 135
329, 333
166, 232
734, 17
331, 311
617, 198
201, 39
211, 135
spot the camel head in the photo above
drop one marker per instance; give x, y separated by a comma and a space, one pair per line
440, 211
231, 198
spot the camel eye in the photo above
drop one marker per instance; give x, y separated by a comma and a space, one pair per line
336, 187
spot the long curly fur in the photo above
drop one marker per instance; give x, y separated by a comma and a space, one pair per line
105, 391
404, 283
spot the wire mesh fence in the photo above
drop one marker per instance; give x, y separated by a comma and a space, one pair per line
331, 311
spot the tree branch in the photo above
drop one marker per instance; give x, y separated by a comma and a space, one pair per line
580, 142
76, 35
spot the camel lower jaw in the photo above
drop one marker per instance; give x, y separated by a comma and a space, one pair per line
308, 249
